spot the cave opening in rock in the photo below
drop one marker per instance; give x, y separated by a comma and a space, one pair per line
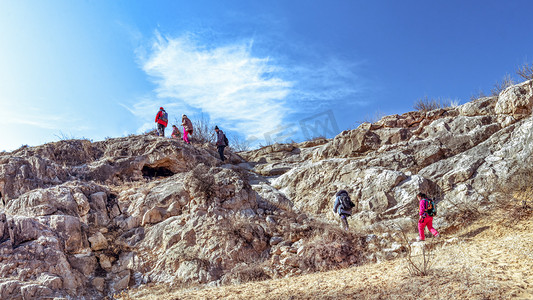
156, 172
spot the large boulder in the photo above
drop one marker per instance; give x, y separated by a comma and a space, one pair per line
516, 100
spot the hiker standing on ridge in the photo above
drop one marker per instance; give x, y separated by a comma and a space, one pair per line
162, 120
175, 132
187, 128
426, 213
221, 142
343, 206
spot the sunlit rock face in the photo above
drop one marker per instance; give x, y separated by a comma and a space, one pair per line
82, 219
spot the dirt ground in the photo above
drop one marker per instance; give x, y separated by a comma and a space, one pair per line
489, 259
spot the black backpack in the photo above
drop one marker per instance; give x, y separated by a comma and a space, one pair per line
346, 202
226, 140
431, 208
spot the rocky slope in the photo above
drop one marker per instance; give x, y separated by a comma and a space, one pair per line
91, 219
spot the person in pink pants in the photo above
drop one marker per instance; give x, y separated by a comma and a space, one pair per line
424, 219
187, 128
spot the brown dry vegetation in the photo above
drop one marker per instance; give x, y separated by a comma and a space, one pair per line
489, 259
429, 104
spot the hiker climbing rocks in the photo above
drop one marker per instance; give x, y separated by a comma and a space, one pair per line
187, 128
426, 213
222, 142
343, 206
162, 120
175, 132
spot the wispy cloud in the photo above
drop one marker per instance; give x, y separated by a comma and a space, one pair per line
250, 94
16, 112
226, 82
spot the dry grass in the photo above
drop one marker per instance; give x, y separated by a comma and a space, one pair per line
515, 198
485, 261
429, 104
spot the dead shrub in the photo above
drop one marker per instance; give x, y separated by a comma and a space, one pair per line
201, 182
329, 247
246, 272
239, 144
499, 86
204, 130
429, 104
420, 262
525, 71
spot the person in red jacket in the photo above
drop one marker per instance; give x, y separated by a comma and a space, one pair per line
162, 120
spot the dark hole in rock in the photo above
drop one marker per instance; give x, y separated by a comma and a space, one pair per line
156, 172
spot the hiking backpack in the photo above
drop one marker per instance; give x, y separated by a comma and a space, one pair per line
164, 116
431, 208
226, 140
346, 202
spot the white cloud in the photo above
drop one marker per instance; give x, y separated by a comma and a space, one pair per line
228, 83
235, 88
20, 113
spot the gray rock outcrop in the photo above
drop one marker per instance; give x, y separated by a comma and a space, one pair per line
82, 219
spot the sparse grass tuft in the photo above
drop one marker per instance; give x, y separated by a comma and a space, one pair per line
480, 94
429, 104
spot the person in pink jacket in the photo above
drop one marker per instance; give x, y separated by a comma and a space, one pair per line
424, 219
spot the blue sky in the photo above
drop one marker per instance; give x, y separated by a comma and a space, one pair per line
263, 70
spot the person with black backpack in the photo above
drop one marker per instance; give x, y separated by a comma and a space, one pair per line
222, 142
162, 121
427, 210
343, 206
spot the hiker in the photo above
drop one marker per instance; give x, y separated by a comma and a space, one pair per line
426, 216
175, 132
221, 142
187, 128
343, 206
162, 120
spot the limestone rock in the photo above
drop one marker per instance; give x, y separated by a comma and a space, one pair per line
516, 100
98, 241
86, 220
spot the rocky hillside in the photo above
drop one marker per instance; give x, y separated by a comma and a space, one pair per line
91, 219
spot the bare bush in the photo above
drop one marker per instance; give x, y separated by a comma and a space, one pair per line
238, 144
429, 104
499, 86
200, 183
330, 247
420, 260
525, 71
248, 272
